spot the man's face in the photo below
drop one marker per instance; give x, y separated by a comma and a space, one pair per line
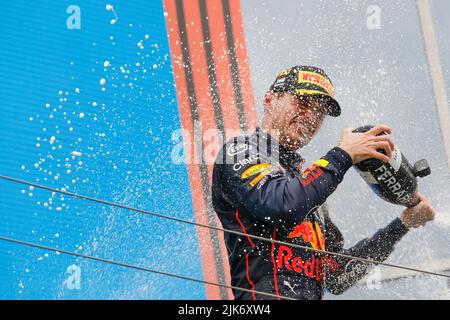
298, 119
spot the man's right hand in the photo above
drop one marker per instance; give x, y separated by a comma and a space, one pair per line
363, 145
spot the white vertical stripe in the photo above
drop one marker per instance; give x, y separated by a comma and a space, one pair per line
437, 78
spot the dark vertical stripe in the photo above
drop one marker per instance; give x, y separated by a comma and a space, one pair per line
212, 76
203, 169
234, 65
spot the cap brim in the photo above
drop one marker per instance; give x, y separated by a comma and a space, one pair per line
333, 109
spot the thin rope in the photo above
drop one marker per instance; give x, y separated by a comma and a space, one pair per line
126, 265
337, 254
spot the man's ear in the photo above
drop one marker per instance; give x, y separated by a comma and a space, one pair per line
268, 99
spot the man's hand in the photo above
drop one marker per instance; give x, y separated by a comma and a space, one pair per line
418, 215
363, 145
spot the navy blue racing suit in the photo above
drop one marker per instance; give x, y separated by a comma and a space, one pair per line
259, 188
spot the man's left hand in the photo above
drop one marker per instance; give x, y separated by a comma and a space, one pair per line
418, 215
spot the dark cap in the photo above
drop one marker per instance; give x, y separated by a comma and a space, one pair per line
308, 81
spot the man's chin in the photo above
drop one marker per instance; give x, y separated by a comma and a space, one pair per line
298, 143
304, 142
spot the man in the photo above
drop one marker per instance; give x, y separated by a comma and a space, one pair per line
259, 189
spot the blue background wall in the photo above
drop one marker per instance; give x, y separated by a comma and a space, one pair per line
125, 142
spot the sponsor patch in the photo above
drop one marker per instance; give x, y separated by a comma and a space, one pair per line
315, 167
262, 182
257, 168
322, 163
235, 149
259, 177
311, 175
241, 164
309, 233
312, 268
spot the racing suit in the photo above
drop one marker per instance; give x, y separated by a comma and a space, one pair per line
259, 188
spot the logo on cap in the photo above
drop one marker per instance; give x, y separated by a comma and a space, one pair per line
316, 79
